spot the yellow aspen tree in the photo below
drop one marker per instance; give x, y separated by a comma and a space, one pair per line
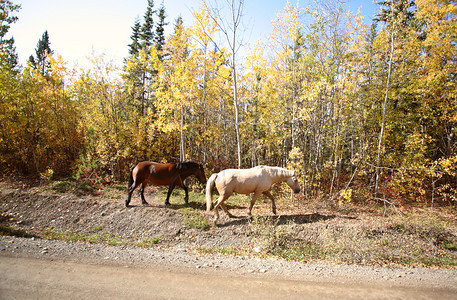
177, 88
257, 77
110, 137
286, 39
47, 118
207, 62
230, 28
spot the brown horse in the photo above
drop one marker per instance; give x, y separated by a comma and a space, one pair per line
172, 174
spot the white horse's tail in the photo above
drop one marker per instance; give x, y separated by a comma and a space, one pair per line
209, 191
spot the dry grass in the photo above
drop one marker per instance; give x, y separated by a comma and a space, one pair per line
419, 237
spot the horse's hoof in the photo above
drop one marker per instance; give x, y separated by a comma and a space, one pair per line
127, 203
167, 204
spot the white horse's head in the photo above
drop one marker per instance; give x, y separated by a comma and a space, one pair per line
293, 183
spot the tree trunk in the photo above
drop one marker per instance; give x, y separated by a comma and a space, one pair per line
235, 104
383, 124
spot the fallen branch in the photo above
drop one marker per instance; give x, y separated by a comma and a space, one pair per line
391, 204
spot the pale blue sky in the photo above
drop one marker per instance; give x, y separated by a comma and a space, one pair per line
77, 27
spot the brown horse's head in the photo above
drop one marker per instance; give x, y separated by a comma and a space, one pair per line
201, 174
192, 168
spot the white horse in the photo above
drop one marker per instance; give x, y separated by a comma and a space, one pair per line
257, 180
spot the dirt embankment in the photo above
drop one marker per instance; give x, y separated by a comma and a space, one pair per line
106, 231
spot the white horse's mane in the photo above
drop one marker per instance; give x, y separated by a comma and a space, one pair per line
278, 171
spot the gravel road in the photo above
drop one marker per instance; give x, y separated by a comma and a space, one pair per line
35, 268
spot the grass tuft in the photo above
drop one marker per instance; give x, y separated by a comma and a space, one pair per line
233, 251
148, 242
12, 231
69, 236
195, 219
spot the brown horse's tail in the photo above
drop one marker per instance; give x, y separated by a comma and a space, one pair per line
131, 178
209, 191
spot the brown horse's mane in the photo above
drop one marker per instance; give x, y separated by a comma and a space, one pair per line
186, 165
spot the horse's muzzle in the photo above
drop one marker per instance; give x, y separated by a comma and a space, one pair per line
296, 191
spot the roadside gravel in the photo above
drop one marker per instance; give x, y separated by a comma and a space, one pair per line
184, 259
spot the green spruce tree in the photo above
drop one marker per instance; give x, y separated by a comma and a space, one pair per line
160, 29
41, 60
135, 46
147, 29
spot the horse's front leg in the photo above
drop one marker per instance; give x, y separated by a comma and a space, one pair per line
143, 200
273, 204
170, 190
186, 198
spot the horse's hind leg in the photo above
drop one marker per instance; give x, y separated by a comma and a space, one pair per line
254, 198
143, 201
131, 189
219, 202
226, 211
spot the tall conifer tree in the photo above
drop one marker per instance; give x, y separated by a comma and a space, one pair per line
160, 29
147, 29
42, 50
135, 46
